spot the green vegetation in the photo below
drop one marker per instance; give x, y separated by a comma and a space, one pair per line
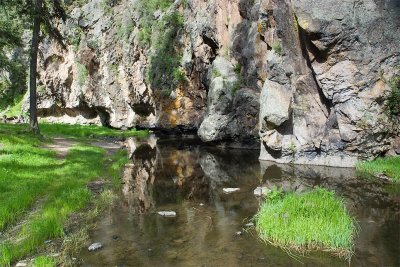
238, 84
44, 261
16, 108
392, 101
80, 131
277, 48
13, 68
389, 166
83, 73
160, 36
41, 191
312, 220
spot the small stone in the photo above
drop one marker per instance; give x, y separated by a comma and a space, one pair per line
47, 241
21, 264
167, 213
150, 250
249, 225
95, 246
115, 237
201, 204
239, 233
261, 191
230, 190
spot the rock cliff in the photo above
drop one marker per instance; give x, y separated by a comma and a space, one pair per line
306, 79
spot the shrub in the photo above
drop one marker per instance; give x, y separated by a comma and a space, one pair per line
277, 48
392, 100
82, 74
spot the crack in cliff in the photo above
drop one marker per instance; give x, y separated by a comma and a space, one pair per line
306, 47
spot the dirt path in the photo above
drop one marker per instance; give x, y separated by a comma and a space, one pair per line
61, 146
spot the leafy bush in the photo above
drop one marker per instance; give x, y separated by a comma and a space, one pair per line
277, 48
82, 74
392, 101
160, 36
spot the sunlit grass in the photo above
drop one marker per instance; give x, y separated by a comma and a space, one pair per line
389, 166
44, 191
78, 131
313, 220
44, 261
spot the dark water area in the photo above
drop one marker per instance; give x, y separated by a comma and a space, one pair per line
187, 177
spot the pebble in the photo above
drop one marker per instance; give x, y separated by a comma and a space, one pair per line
201, 204
261, 191
239, 233
230, 190
21, 264
95, 246
249, 224
167, 213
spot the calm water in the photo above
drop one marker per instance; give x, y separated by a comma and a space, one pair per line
184, 176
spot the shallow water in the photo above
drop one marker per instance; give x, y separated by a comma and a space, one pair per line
184, 176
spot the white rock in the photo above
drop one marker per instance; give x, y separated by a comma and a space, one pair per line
230, 190
167, 213
21, 264
95, 246
261, 191
249, 224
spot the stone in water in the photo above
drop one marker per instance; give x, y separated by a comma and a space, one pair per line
167, 213
261, 191
95, 246
230, 190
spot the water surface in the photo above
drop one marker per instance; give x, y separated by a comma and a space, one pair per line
187, 177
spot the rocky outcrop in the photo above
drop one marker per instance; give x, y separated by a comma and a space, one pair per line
328, 68
306, 78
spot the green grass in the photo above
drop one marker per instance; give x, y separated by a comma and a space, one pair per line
42, 190
74, 131
312, 220
389, 166
44, 261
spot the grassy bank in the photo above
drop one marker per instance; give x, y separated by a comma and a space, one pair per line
312, 220
74, 131
39, 192
389, 166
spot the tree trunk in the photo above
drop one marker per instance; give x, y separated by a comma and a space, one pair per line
33, 68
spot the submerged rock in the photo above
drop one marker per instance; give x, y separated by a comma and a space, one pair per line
167, 213
249, 225
95, 246
22, 264
261, 191
230, 190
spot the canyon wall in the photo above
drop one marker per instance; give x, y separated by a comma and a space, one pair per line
306, 80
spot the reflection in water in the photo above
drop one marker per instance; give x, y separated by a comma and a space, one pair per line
186, 177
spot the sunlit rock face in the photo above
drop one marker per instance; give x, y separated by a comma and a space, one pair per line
328, 72
306, 79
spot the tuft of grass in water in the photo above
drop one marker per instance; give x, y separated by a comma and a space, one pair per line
44, 261
389, 166
312, 220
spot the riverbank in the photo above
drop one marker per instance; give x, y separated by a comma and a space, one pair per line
42, 190
387, 168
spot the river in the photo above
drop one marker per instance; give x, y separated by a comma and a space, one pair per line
182, 175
